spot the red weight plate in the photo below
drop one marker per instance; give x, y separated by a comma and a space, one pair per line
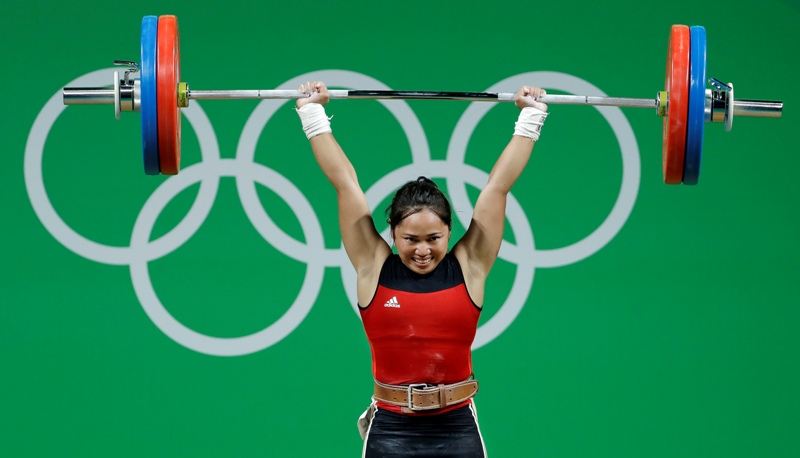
677, 84
168, 77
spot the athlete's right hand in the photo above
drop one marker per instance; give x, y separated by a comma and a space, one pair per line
316, 92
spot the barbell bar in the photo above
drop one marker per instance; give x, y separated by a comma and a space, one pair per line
685, 103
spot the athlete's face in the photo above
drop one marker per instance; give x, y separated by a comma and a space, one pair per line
421, 240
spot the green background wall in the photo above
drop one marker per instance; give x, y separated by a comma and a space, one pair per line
677, 335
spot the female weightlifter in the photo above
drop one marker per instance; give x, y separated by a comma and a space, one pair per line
420, 306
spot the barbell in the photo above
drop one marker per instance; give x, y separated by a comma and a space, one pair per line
685, 103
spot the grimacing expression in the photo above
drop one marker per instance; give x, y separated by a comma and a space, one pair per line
421, 239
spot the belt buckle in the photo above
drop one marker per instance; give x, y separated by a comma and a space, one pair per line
410, 388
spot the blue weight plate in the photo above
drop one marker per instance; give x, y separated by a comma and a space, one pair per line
697, 103
149, 105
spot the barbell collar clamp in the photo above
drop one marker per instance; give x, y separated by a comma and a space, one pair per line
133, 67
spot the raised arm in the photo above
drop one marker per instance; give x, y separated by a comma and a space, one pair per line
478, 248
365, 247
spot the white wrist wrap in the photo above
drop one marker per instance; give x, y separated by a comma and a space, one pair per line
530, 122
314, 120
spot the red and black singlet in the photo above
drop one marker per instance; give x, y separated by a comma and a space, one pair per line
420, 327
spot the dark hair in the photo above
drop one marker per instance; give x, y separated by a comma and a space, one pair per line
415, 196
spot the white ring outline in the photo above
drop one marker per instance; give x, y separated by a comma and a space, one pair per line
142, 250
177, 331
78, 244
631, 166
256, 123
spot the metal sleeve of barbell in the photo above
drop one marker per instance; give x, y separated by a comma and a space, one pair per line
758, 108
88, 96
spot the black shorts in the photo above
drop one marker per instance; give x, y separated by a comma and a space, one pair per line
451, 434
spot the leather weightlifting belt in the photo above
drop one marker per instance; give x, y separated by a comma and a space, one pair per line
420, 396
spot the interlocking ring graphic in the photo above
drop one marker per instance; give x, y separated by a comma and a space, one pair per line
313, 252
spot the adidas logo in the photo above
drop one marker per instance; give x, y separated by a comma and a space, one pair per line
392, 303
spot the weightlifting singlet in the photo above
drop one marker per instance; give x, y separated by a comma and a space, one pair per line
421, 327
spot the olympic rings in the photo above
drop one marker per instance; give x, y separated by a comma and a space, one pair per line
247, 173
